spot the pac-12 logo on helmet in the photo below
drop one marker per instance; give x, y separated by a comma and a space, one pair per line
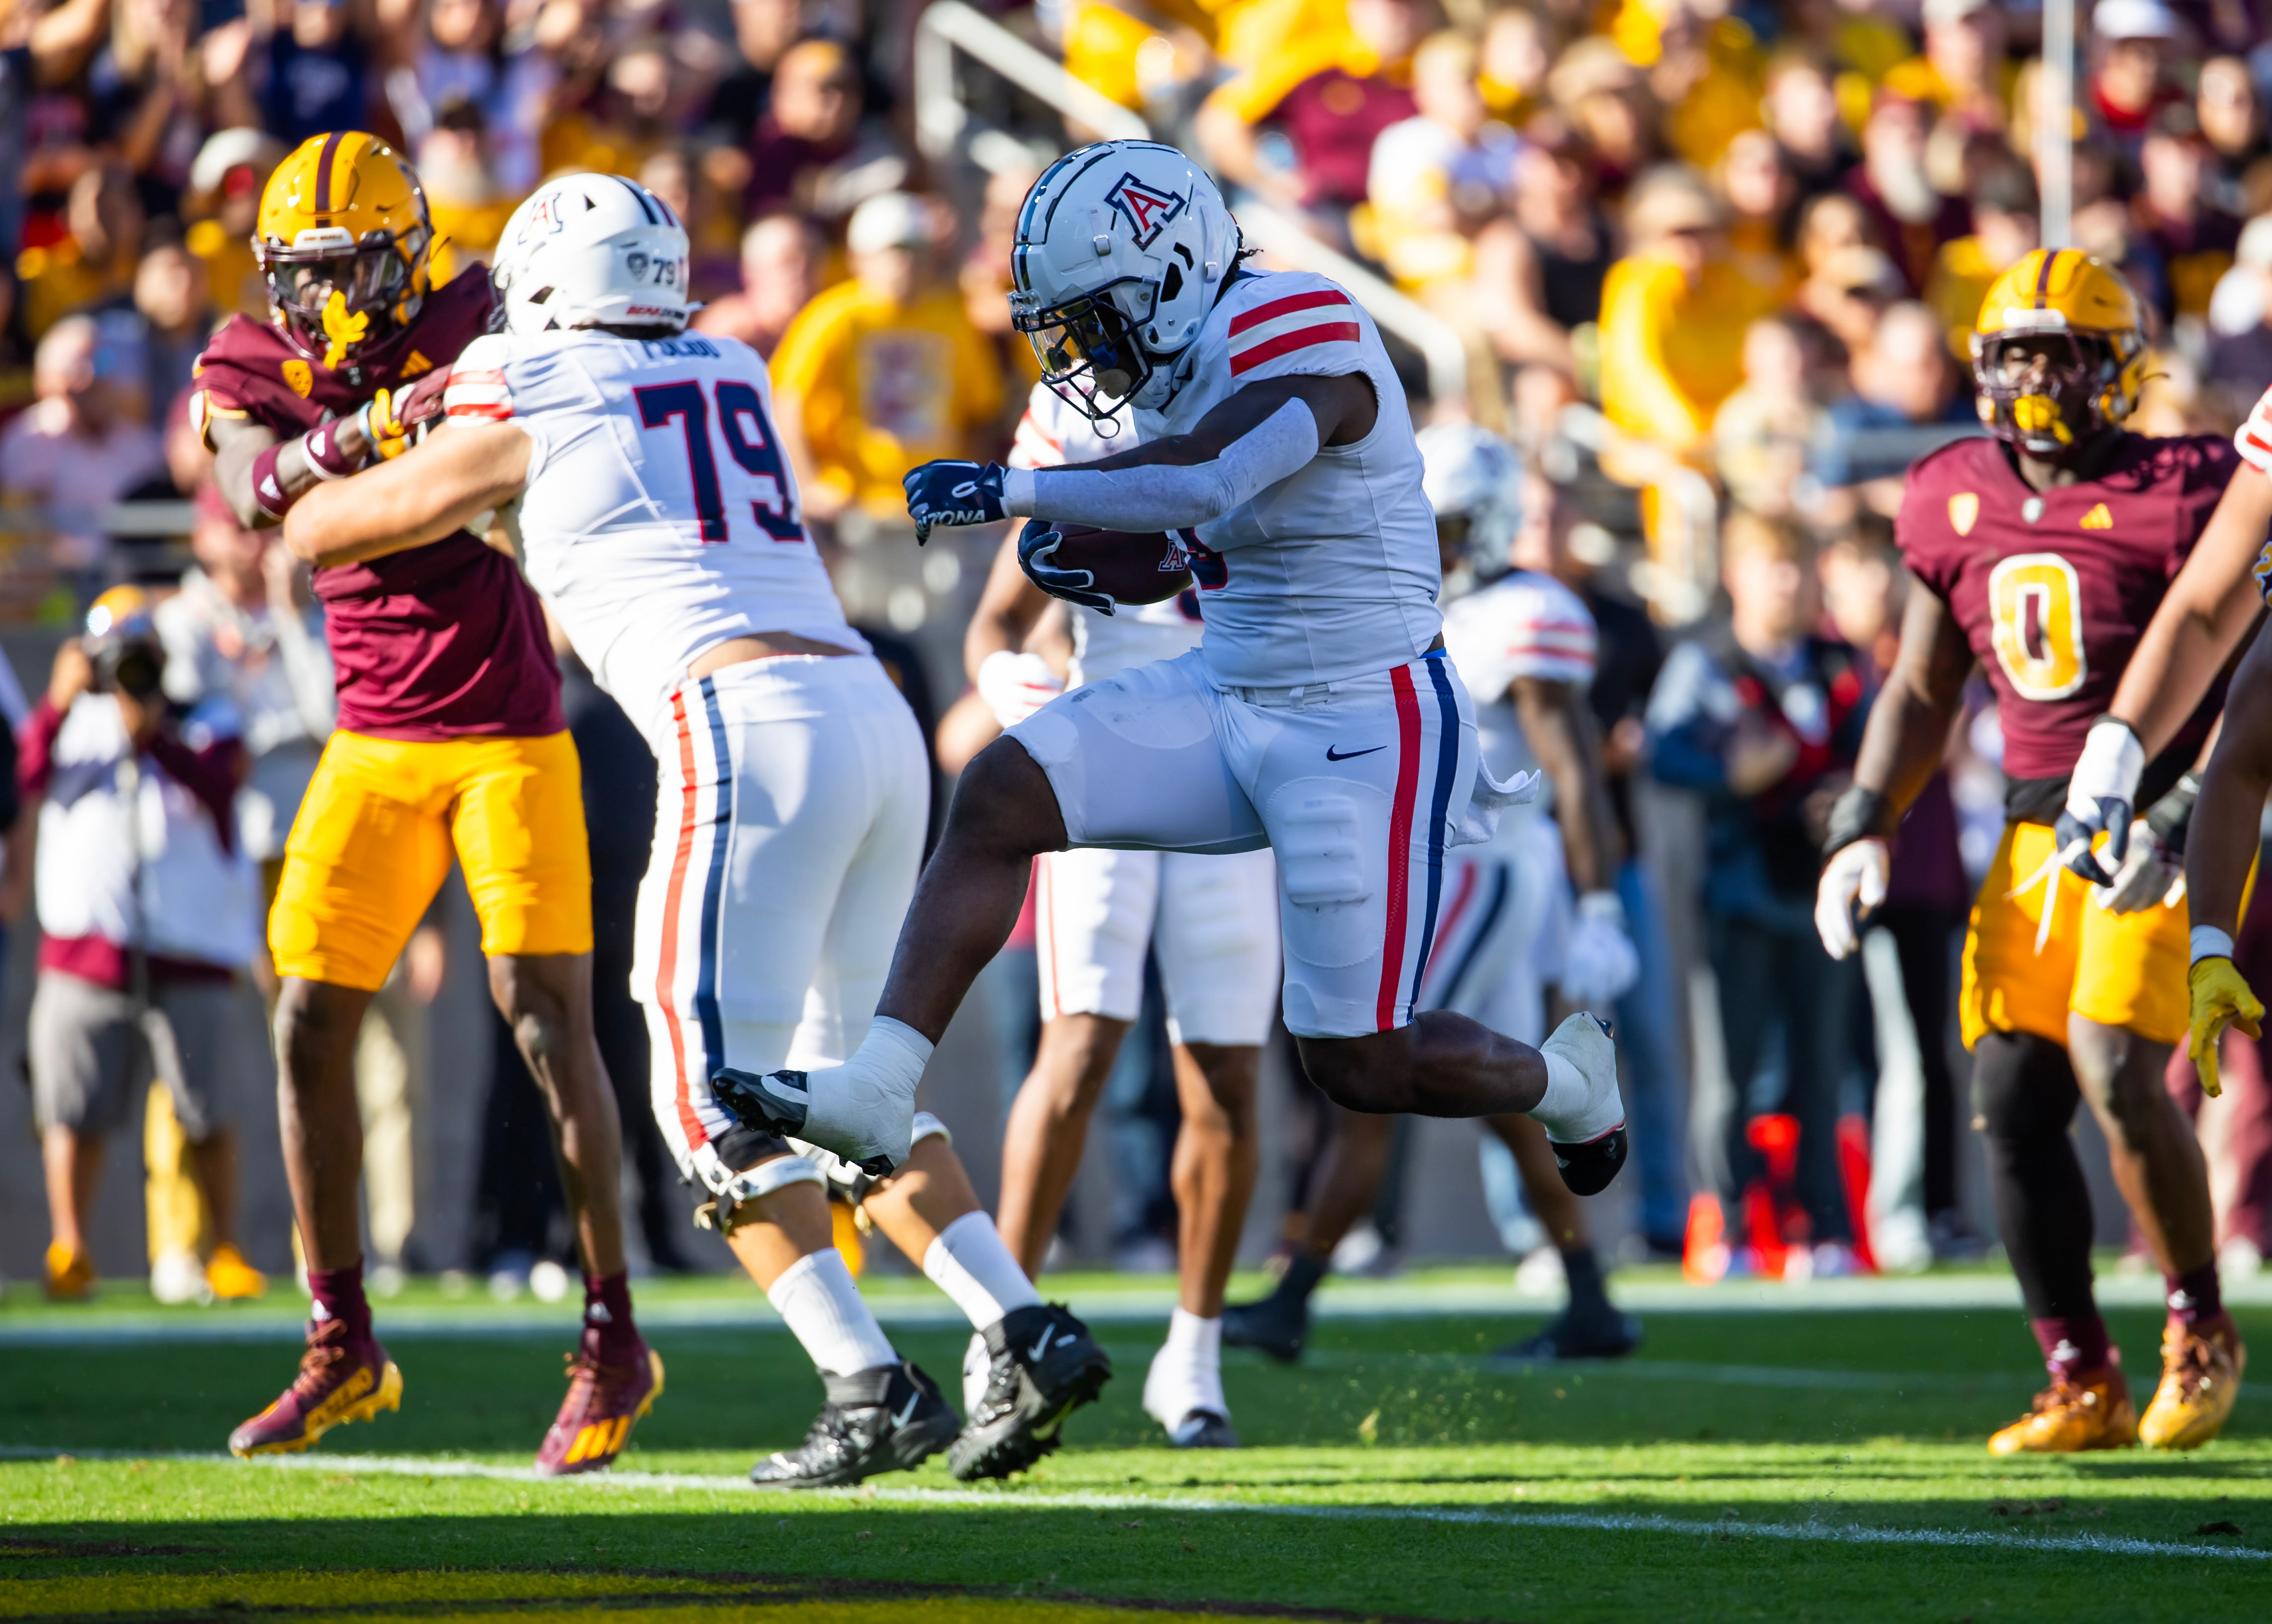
1148, 210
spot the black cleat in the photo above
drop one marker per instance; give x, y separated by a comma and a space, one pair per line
1605, 1332
1586, 1169
1043, 1365
1203, 1430
890, 1418
1278, 1325
772, 1104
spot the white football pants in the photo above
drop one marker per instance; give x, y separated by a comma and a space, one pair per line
795, 793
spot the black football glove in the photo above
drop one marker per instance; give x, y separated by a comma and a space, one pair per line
954, 492
1037, 544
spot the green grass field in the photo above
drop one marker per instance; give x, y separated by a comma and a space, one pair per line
1801, 1463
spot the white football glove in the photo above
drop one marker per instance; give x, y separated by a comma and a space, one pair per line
1014, 685
1853, 884
2145, 878
2102, 794
1599, 962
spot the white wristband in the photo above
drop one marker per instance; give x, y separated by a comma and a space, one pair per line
2210, 943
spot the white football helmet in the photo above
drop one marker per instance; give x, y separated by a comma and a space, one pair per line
1469, 474
1123, 249
593, 250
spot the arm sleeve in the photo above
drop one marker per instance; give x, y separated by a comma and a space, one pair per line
1164, 496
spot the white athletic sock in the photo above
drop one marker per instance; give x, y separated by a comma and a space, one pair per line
1186, 1374
969, 1263
867, 1105
816, 1296
1566, 1092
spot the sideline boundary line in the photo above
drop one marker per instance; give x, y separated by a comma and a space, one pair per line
1591, 1522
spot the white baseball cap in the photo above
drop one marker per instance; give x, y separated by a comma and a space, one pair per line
2133, 20
888, 219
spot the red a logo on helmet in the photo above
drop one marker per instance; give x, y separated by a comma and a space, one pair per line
1148, 209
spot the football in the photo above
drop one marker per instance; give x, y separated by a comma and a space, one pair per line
1147, 566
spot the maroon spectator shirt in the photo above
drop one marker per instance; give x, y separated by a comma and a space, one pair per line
444, 641
1331, 119
2053, 590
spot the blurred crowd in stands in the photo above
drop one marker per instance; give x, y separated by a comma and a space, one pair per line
1713, 266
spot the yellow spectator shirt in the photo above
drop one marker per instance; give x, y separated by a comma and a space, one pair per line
1672, 353
879, 388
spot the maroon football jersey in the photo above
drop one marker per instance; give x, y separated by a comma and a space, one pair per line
437, 642
2053, 591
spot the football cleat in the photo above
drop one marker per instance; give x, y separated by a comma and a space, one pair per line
1589, 1143
231, 1278
1203, 1430
70, 1274
604, 1402
1277, 1325
1605, 1332
1042, 1365
342, 1379
890, 1418
2089, 1411
780, 1103
2200, 1379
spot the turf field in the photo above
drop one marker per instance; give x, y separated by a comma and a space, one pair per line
1818, 1460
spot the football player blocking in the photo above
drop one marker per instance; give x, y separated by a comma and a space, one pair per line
450, 740
2043, 552
793, 790
1318, 718
1210, 922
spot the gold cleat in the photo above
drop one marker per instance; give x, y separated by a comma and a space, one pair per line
340, 1381
71, 1275
231, 1277
2092, 1412
2200, 1379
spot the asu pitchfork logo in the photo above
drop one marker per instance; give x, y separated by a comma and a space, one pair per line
1148, 209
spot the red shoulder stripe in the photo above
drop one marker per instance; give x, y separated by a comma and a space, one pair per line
1287, 306
1286, 343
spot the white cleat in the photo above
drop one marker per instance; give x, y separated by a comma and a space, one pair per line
1586, 1126
846, 1109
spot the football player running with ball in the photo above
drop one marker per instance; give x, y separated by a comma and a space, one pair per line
2043, 552
635, 467
1319, 715
450, 742
1210, 921
1524, 645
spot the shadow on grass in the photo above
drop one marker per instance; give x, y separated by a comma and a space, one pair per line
1343, 1564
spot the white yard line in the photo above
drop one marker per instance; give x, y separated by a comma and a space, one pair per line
1026, 1499
910, 1304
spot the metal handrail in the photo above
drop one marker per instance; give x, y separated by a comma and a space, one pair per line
948, 25
943, 126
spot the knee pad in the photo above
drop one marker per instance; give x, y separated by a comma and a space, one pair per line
848, 1181
734, 1205
2023, 1088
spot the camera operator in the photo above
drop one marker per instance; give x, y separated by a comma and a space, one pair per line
149, 907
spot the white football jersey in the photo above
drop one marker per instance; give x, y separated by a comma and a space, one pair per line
659, 518
1331, 573
1525, 624
1052, 432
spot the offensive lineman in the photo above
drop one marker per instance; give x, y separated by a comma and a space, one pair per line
638, 466
449, 739
1210, 921
2044, 551
1524, 645
1319, 715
